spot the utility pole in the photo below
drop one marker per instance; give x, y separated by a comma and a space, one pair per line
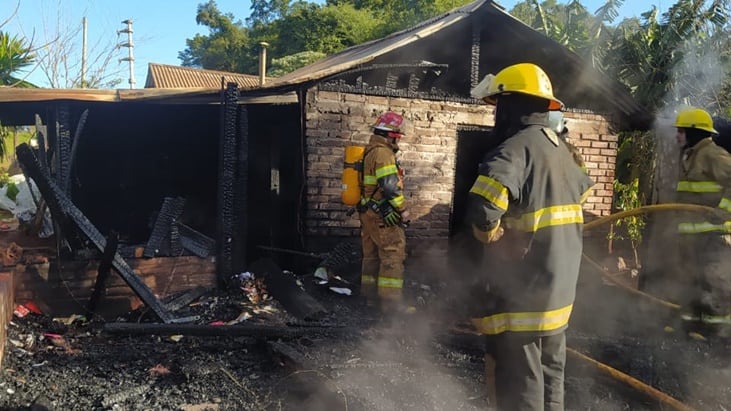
130, 45
83, 53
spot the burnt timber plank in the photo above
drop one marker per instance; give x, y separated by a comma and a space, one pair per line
251, 330
285, 290
105, 266
58, 200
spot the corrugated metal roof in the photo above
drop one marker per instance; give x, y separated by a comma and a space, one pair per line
167, 76
366, 52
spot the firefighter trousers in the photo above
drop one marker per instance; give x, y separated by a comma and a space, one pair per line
384, 252
528, 371
706, 261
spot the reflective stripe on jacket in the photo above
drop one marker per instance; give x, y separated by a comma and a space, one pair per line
382, 179
533, 185
705, 179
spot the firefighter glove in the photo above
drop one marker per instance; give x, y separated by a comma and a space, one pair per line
489, 236
391, 217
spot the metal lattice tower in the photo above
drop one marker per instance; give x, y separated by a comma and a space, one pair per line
130, 46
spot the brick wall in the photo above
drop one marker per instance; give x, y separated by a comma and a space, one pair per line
335, 120
68, 292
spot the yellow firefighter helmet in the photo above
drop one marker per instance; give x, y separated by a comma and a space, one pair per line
695, 118
524, 78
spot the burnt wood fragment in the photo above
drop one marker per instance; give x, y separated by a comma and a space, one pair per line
74, 148
41, 139
105, 267
159, 241
289, 356
238, 330
195, 242
284, 289
63, 143
185, 298
57, 200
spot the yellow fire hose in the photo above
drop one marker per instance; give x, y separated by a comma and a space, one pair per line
650, 209
612, 372
636, 384
631, 213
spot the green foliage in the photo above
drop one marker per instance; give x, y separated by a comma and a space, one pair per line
227, 47
571, 24
292, 62
326, 29
628, 197
292, 28
681, 56
15, 55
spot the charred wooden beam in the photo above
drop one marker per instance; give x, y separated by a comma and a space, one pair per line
105, 267
238, 330
63, 143
242, 187
159, 241
289, 356
74, 148
195, 242
41, 139
226, 184
185, 298
366, 89
58, 200
284, 289
475, 55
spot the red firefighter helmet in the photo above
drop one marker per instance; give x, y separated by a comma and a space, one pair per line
390, 123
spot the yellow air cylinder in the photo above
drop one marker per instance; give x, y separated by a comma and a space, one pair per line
351, 174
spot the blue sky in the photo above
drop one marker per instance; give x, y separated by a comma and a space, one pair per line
160, 26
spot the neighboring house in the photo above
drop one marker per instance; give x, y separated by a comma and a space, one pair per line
167, 76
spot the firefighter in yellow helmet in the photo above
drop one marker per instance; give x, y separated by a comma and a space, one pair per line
382, 212
525, 205
705, 179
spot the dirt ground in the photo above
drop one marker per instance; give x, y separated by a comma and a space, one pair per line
358, 362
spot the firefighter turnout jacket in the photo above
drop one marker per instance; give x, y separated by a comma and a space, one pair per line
532, 188
382, 176
705, 179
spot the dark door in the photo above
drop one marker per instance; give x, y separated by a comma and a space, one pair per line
472, 145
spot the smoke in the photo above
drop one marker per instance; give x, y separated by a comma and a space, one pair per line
695, 81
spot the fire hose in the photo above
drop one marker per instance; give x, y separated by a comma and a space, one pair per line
644, 210
660, 396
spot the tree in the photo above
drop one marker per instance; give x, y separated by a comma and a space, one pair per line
292, 28
227, 46
15, 55
325, 29
681, 58
571, 25
267, 11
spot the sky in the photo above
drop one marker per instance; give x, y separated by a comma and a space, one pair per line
160, 26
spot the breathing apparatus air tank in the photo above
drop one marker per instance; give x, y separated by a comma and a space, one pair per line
352, 169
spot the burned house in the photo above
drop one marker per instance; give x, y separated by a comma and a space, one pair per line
234, 169
426, 73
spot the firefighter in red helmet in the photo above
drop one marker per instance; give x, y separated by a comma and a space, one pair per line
382, 212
